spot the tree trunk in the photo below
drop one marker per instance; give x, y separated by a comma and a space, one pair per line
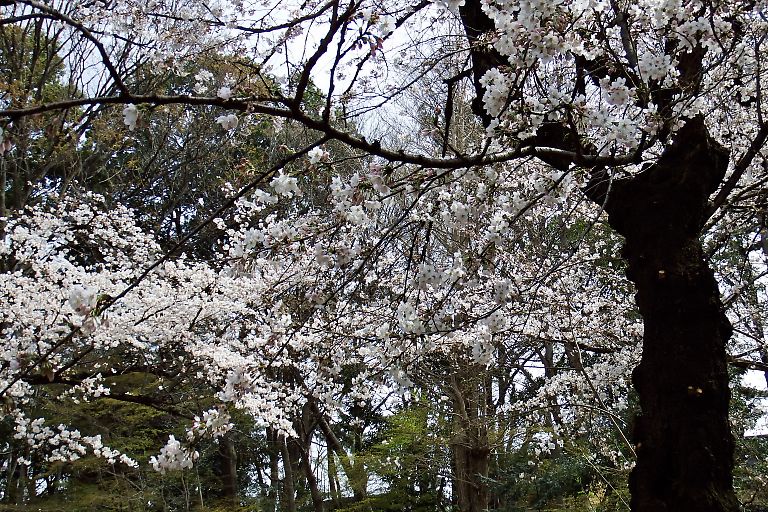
274, 449
289, 490
471, 452
355, 471
314, 490
228, 469
471, 466
683, 439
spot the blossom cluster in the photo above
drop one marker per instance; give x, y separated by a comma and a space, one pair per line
62, 444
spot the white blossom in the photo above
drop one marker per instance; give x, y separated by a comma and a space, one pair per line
82, 299
316, 155
285, 185
228, 121
173, 456
224, 92
130, 116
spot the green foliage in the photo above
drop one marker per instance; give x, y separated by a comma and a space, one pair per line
751, 464
408, 457
45, 150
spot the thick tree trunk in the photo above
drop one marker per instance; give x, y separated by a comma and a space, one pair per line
683, 440
471, 466
684, 443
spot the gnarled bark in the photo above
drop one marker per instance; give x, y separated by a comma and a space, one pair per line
683, 439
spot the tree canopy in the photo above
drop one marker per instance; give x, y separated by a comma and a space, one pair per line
349, 255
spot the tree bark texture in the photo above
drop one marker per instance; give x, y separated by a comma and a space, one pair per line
683, 439
471, 451
471, 466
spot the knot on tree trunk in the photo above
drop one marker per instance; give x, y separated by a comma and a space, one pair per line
667, 200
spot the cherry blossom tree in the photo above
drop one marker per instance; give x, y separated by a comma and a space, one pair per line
670, 61
396, 249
